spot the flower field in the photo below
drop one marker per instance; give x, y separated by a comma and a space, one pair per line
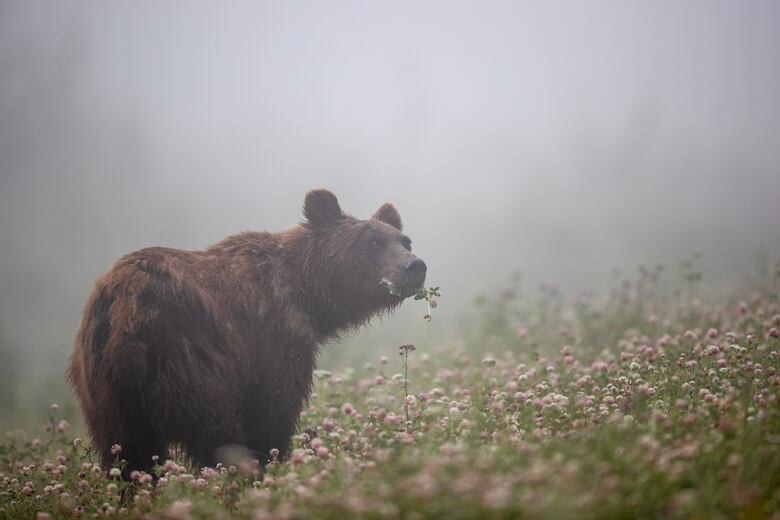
640, 406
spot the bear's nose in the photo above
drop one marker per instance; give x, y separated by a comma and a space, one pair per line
415, 270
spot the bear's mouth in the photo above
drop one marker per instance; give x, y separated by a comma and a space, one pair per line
402, 290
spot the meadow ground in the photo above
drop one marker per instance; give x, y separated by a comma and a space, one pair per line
638, 406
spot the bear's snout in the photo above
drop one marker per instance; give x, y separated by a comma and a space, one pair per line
415, 270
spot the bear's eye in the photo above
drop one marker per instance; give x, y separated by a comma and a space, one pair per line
375, 241
407, 243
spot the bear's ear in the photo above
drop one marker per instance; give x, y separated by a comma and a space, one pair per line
321, 207
389, 215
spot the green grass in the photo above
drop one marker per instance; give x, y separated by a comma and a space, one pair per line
640, 406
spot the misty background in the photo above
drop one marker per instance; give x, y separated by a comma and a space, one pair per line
561, 138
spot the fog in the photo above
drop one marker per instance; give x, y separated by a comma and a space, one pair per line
564, 139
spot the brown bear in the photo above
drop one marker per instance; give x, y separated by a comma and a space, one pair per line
217, 347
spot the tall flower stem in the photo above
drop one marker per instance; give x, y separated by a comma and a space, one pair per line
404, 352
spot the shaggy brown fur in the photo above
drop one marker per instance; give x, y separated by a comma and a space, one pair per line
217, 347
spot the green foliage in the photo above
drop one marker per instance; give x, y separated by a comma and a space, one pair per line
429, 295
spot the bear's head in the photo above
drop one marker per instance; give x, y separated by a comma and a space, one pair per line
360, 267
